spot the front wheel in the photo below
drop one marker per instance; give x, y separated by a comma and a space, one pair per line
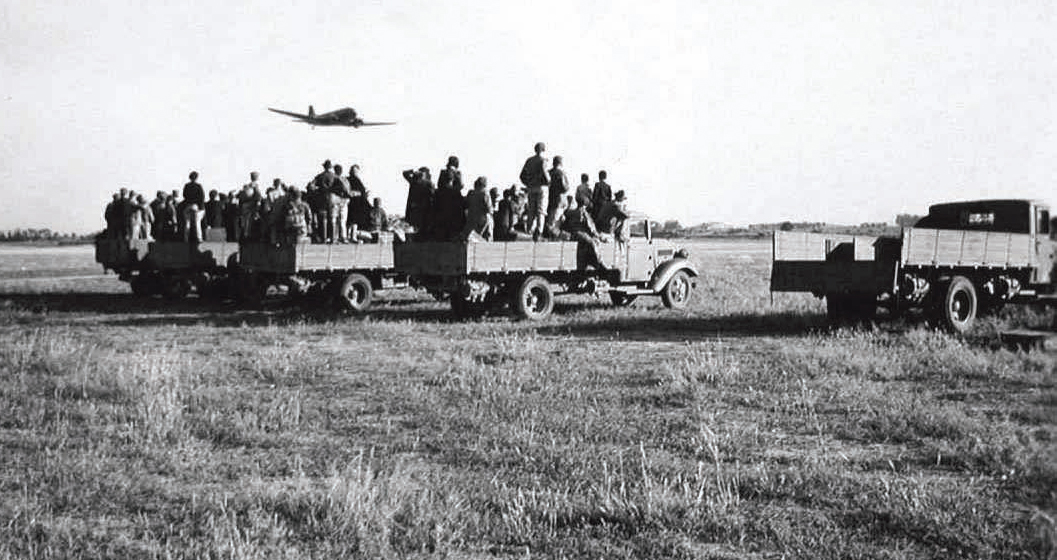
534, 299
355, 293
676, 293
960, 305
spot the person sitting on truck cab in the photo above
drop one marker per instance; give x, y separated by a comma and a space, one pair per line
578, 224
613, 215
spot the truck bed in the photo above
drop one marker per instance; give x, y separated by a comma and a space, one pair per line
118, 254
435, 258
961, 248
308, 257
823, 263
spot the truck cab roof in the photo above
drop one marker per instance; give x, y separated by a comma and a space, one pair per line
1003, 215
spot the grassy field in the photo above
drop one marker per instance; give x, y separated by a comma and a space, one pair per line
737, 429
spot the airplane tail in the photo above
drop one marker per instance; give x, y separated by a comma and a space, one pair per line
311, 112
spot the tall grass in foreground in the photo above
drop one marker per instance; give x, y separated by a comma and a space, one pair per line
318, 440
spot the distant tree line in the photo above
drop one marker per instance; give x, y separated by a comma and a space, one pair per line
40, 234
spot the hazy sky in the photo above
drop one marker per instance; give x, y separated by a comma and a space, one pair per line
735, 111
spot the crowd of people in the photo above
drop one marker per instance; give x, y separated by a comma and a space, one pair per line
545, 206
332, 208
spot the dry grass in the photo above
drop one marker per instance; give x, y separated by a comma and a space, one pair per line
733, 430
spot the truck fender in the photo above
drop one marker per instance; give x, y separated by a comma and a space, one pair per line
664, 273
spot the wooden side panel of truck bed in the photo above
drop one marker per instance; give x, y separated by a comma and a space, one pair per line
961, 248
822, 263
177, 255
164, 255
457, 258
309, 257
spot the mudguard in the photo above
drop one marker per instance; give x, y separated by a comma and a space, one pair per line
664, 273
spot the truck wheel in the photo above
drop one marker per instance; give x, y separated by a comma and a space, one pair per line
355, 292
534, 299
960, 305
676, 293
620, 299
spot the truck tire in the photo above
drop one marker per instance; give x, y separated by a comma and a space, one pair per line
355, 293
534, 299
620, 299
677, 292
960, 305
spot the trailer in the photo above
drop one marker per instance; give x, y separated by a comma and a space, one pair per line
346, 275
527, 275
961, 260
172, 269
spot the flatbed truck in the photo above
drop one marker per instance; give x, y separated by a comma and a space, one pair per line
959, 261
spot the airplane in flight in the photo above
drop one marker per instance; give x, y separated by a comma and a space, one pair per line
340, 117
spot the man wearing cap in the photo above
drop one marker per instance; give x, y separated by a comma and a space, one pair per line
534, 177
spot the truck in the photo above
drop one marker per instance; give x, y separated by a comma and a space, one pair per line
172, 269
961, 260
527, 275
345, 275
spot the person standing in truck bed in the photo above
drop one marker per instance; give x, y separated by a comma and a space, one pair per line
534, 176
194, 209
420, 192
449, 205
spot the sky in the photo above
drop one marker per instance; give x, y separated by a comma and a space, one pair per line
703, 111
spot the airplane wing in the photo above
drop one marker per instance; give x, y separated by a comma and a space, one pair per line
289, 114
375, 123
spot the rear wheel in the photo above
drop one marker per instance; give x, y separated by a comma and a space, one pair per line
534, 299
355, 293
959, 306
676, 293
